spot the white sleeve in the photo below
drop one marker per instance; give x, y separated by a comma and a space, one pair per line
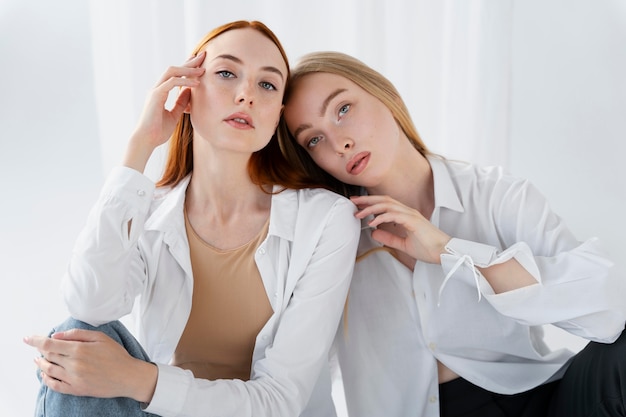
106, 270
576, 289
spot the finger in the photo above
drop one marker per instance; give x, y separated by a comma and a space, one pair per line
196, 60
50, 369
44, 364
181, 103
55, 358
45, 345
368, 200
389, 239
180, 73
78, 335
408, 221
34, 341
55, 384
379, 209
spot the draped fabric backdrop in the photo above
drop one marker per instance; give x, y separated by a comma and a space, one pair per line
535, 85
451, 60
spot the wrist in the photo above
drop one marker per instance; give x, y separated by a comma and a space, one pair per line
137, 154
143, 384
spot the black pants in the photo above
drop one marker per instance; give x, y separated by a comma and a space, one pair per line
593, 386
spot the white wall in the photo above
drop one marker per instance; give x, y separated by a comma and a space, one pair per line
568, 102
50, 171
568, 133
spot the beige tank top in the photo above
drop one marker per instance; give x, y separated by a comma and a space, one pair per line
229, 308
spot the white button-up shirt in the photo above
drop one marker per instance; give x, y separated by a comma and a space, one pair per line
133, 254
398, 323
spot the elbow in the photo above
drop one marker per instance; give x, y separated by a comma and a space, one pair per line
91, 305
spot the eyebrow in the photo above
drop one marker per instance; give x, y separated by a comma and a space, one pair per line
331, 96
323, 108
239, 61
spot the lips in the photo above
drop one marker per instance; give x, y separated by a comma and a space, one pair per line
357, 163
240, 121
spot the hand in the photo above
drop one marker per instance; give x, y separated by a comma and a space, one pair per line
157, 123
416, 236
90, 363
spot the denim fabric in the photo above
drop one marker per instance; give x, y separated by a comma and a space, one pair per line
54, 404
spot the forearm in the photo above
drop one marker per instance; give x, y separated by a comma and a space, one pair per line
507, 276
137, 153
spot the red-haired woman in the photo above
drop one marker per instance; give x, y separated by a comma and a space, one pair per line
235, 265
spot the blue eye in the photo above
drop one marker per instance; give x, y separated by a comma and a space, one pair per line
267, 86
225, 74
344, 109
313, 141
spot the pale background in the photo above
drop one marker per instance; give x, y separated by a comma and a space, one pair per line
535, 85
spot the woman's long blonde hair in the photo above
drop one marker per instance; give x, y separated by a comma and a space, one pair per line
365, 77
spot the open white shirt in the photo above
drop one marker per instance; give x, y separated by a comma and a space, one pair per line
305, 263
398, 323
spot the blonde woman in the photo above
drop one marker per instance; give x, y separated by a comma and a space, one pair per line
459, 267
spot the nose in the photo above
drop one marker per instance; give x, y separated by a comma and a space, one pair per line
343, 145
245, 93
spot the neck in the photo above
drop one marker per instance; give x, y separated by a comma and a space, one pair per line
410, 182
221, 187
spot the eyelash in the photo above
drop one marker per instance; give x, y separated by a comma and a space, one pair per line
271, 86
266, 85
342, 112
309, 145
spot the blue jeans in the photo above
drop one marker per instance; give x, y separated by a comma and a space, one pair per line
53, 404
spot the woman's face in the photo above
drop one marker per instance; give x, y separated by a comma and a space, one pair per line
348, 132
239, 100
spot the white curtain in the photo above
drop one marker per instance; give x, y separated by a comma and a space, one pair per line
450, 59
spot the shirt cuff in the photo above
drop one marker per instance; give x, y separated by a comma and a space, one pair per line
170, 392
482, 255
130, 186
465, 255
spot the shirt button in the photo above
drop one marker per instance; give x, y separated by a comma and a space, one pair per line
141, 193
261, 251
432, 399
432, 346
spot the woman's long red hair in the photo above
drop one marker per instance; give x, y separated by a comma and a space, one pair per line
266, 167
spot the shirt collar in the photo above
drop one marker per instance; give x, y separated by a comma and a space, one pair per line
283, 213
445, 192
